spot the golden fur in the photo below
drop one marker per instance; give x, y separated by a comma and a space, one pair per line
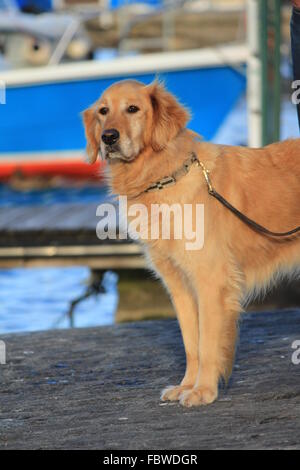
207, 286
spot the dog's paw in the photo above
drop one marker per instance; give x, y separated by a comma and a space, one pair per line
198, 396
173, 392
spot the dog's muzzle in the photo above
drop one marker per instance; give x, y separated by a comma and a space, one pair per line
110, 137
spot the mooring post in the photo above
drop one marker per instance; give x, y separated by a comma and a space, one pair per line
264, 40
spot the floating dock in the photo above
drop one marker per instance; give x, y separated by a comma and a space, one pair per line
60, 235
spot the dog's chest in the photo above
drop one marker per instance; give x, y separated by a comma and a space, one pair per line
174, 227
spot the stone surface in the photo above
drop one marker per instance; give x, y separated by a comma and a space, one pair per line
99, 389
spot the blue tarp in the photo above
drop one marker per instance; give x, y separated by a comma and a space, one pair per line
42, 5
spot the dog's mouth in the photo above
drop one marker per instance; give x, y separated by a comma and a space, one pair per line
110, 150
113, 152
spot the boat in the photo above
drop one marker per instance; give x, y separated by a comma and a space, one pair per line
40, 122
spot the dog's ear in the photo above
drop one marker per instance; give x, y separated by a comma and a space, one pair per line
169, 117
90, 123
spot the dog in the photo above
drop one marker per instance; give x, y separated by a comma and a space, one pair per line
141, 131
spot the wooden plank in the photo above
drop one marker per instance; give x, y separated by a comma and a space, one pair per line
100, 256
33, 218
59, 388
71, 251
41, 238
55, 225
78, 216
96, 262
56, 216
71, 216
9, 214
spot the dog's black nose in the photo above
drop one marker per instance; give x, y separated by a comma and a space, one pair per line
110, 136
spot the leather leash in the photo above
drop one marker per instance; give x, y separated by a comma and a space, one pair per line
173, 178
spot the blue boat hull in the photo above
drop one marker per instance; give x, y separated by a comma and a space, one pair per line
46, 117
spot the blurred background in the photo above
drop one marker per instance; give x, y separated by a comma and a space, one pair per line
227, 60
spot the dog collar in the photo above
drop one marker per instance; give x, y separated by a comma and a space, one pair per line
168, 181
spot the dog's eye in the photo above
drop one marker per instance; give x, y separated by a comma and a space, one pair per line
133, 109
103, 111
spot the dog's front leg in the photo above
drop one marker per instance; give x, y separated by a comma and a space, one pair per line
218, 313
187, 313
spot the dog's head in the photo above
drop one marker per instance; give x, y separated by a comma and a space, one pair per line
130, 117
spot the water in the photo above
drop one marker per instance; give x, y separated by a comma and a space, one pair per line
38, 299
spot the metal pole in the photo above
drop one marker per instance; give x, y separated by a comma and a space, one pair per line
277, 77
264, 38
254, 90
265, 104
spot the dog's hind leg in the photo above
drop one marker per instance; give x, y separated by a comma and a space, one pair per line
219, 310
187, 313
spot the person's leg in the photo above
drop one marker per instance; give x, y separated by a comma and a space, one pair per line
295, 38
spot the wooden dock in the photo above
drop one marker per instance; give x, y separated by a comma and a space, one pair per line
60, 234
65, 235
99, 389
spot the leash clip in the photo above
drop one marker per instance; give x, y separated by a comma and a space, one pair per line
206, 172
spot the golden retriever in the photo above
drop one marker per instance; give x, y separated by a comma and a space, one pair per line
141, 131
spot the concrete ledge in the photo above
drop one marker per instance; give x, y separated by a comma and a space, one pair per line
99, 389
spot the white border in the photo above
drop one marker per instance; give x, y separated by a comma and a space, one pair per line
231, 55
